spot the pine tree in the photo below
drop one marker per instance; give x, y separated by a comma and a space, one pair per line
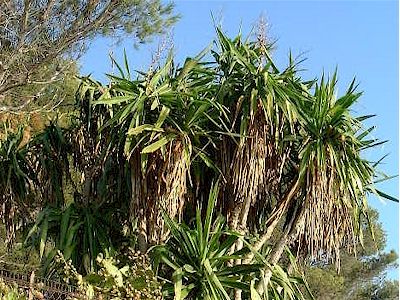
361, 277
40, 40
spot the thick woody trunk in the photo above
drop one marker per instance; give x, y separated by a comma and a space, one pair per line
289, 234
276, 255
136, 195
241, 229
274, 219
266, 236
274, 258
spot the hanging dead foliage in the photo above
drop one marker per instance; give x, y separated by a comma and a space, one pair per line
328, 223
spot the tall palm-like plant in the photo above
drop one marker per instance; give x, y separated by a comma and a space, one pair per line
274, 138
82, 185
16, 173
263, 105
287, 152
50, 149
335, 176
329, 203
165, 118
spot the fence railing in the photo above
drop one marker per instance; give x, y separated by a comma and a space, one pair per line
40, 288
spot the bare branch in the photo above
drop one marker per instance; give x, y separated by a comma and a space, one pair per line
34, 34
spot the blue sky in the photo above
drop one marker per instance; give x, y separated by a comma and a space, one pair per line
359, 37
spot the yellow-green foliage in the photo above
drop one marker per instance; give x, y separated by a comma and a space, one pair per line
10, 292
126, 276
13, 292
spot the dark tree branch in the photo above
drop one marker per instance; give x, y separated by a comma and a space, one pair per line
34, 34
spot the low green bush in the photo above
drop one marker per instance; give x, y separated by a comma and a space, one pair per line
127, 275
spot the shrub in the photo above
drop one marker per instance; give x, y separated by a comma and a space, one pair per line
127, 275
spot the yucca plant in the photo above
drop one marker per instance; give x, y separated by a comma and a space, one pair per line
50, 149
287, 151
255, 154
79, 188
335, 176
263, 104
176, 118
79, 233
327, 204
165, 118
17, 176
199, 262
269, 134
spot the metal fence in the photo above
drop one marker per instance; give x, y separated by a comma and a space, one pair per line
40, 288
